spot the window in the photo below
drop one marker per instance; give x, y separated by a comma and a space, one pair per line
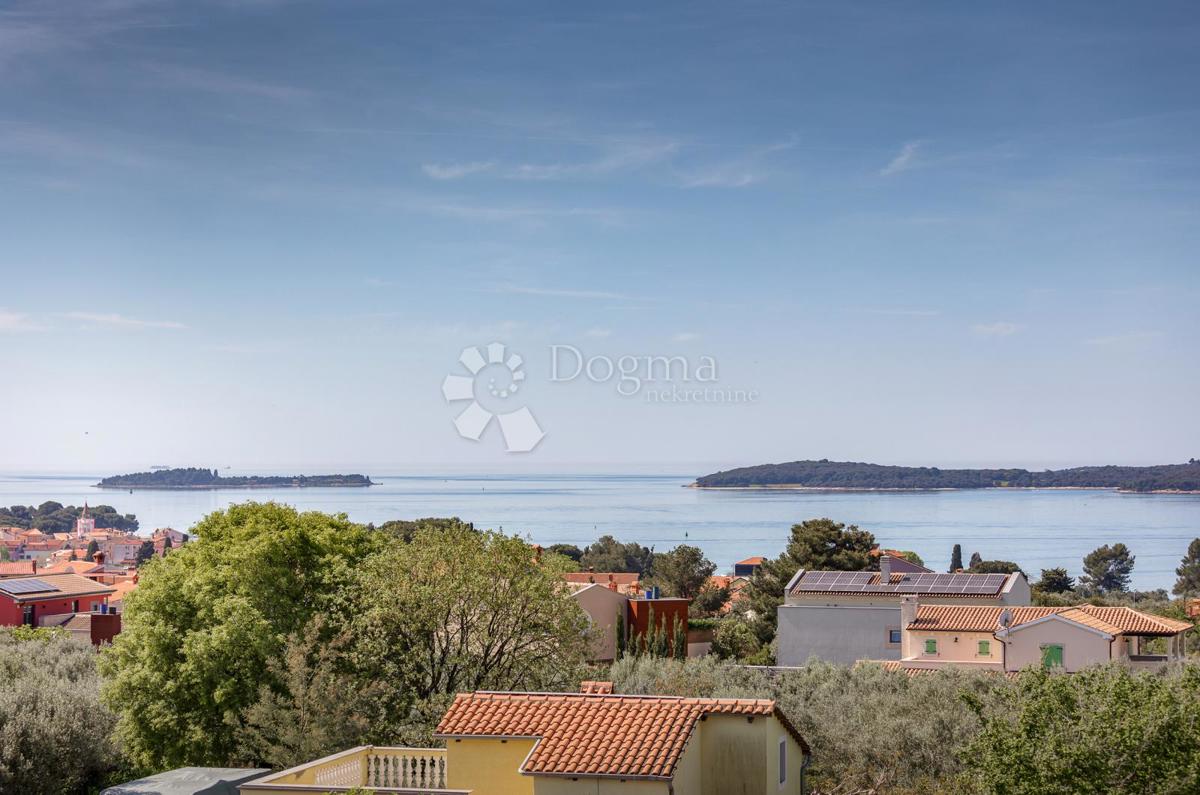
985, 648
893, 636
930, 646
1052, 655
782, 761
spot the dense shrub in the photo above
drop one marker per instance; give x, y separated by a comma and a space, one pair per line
869, 729
53, 729
1106, 729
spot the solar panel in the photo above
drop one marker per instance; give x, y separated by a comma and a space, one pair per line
25, 586
914, 583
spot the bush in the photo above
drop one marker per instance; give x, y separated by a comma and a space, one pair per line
869, 729
734, 640
53, 729
1105, 729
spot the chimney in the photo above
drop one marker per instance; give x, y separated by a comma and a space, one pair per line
98, 557
908, 614
596, 688
612, 582
885, 569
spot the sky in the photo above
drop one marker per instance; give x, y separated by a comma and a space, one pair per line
261, 234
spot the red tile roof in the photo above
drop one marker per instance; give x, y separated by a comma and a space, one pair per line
596, 735
17, 568
1112, 620
757, 560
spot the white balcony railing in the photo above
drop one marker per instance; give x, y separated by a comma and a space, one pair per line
396, 771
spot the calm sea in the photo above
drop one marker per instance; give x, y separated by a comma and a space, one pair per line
1037, 529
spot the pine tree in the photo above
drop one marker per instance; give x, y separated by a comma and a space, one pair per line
1188, 583
956, 558
976, 559
1107, 569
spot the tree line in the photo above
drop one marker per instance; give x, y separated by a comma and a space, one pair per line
855, 475
54, 517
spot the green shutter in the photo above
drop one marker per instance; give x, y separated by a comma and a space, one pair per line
931, 646
985, 648
1052, 656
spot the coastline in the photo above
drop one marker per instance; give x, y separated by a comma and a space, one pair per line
220, 487
799, 487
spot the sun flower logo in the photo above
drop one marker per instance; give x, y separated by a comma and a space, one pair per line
495, 379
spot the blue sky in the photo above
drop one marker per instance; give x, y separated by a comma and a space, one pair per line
260, 233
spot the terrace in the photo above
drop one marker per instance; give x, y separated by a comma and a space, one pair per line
394, 771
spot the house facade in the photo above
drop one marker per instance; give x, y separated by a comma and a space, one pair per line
1004, 639
576, 744
844, 617
54, 599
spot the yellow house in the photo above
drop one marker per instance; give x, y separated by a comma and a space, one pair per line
597, 742
593, 743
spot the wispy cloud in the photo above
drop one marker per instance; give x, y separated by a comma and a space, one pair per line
535, 214
902, 312
1128, 341
1000, 328
685, 336
56, 144
739, 172
221, 83
17, 321
444, 171
903, 161
552, 292
616, 155
114, 320
598, 333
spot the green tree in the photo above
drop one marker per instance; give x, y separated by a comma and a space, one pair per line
609, 554
976, 559
205, 621
570, 551
734, 640
709, 601
683, 571
405, 529
92, 549
815, 544
459, 610
994, 567
1188, 572
1107, 569
316, 706
1055, 581
1103, 729
144, 553
956, 558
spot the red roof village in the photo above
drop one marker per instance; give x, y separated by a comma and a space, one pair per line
48, 579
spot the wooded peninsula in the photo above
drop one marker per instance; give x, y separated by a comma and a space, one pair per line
848, 475
197, 478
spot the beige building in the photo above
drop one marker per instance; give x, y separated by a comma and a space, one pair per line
1005, 639
604, 608
847, 616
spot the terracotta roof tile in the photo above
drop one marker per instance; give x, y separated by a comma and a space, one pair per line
1112, 620
17, 568
595, 735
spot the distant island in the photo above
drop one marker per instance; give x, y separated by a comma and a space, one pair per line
196, 478
854, 476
